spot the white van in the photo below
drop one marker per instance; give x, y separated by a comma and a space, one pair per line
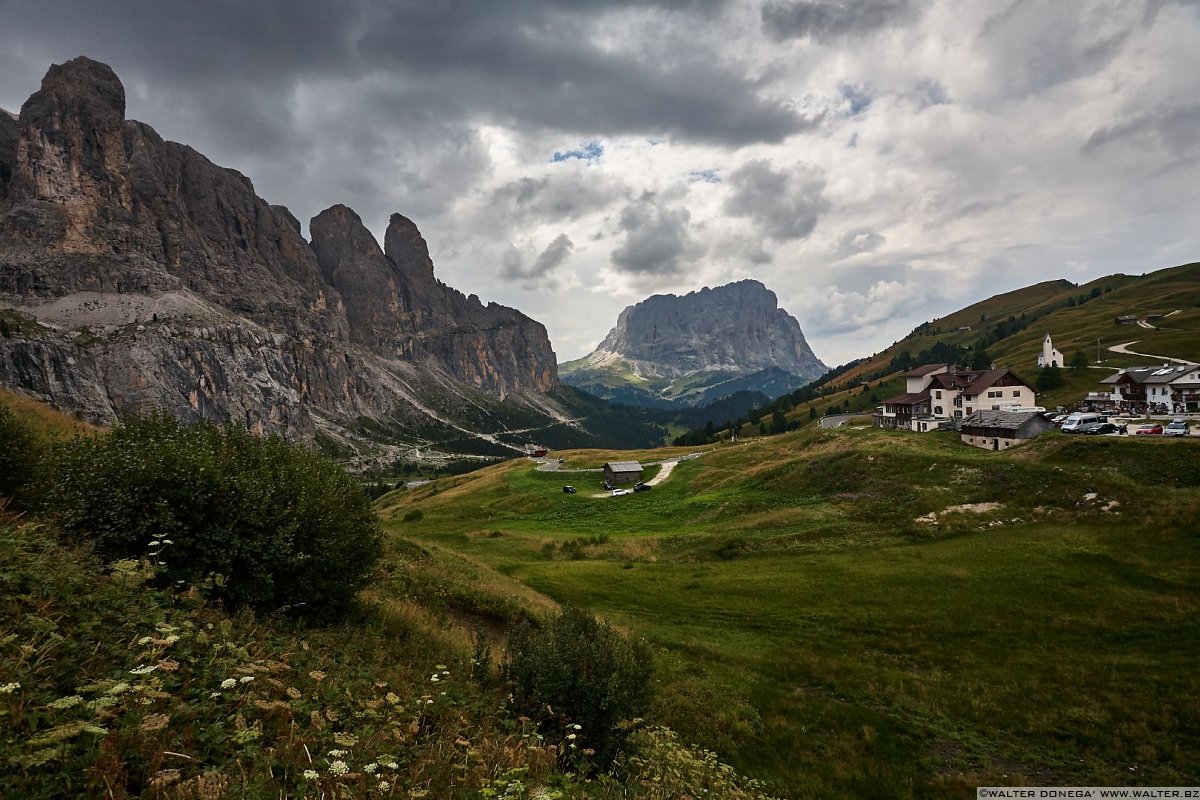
1080, 420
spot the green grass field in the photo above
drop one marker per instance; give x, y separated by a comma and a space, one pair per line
815, 633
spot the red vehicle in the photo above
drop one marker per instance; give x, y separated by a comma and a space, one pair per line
1149, 430
542, 451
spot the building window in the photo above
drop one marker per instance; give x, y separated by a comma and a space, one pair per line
937, 410
938, 394
1016, 392
958, 414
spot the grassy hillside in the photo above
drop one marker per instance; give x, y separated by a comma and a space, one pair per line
46, 423
1054, 307
830, 620
118, 683
1010, 327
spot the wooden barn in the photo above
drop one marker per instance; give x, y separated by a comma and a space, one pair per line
622, 472
999, 430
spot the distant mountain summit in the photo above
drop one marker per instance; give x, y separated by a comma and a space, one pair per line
135, 274
670, 351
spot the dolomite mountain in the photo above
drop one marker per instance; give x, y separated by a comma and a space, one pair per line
136, 275
690, 350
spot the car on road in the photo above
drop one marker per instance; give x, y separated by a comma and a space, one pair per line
1179, 427
1099, 428
569, 490
620, 492
1149, 430
642, 487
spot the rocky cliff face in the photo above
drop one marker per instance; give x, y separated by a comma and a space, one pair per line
665, 344
137, 274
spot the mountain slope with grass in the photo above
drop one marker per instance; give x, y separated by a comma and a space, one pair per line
1010, 327
1007, 330
117, 680
855, 613
681, 352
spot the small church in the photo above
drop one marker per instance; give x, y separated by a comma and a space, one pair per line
1049, 357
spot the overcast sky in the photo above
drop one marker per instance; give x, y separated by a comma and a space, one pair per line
875, 162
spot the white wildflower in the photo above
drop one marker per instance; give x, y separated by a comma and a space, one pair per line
172, 639
570, 737
146, 640
67, 702
577, 727
9, 688
228, 683
155, 542
167, 541
143, 669
391, 765
370, 768
247, 679
339, 768
434, 678
384, 786
336, 753
311, 775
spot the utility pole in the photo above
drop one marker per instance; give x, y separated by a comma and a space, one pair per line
1097, 349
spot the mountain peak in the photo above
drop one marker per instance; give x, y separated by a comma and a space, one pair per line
727, 331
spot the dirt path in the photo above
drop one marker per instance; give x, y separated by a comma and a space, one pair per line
1124, 350
663, 473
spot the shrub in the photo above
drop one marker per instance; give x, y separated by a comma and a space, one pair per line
19, 456
579, 669
252, 522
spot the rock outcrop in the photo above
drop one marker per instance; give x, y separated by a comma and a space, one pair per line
681, 349
139, 275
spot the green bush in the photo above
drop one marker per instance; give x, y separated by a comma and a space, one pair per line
580, 670
19, 456
250, 521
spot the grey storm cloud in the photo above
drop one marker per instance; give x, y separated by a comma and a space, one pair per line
656, 238
827, 21
564, 195
1171, 130
785, 204
547, 262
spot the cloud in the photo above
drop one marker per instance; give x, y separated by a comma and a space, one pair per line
875, 161
656, 237
827, 21
1170, 130
540, 271
860, 240
785, 203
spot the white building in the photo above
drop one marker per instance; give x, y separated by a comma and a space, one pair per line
1050, 357
940, 392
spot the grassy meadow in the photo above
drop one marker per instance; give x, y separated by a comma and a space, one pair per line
827, 620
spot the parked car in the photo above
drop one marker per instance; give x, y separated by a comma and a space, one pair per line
569, 490
620, 492
1098, 428
608, 485
1059, 419
1179, 427
1149, 430
1075, 423
642, 487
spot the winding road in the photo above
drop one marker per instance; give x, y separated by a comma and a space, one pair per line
1124, 350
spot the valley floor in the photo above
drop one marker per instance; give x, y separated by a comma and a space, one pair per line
826, 619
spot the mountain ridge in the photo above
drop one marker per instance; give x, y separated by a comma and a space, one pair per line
140, 275
677, 350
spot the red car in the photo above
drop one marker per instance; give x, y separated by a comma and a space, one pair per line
1149, 430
